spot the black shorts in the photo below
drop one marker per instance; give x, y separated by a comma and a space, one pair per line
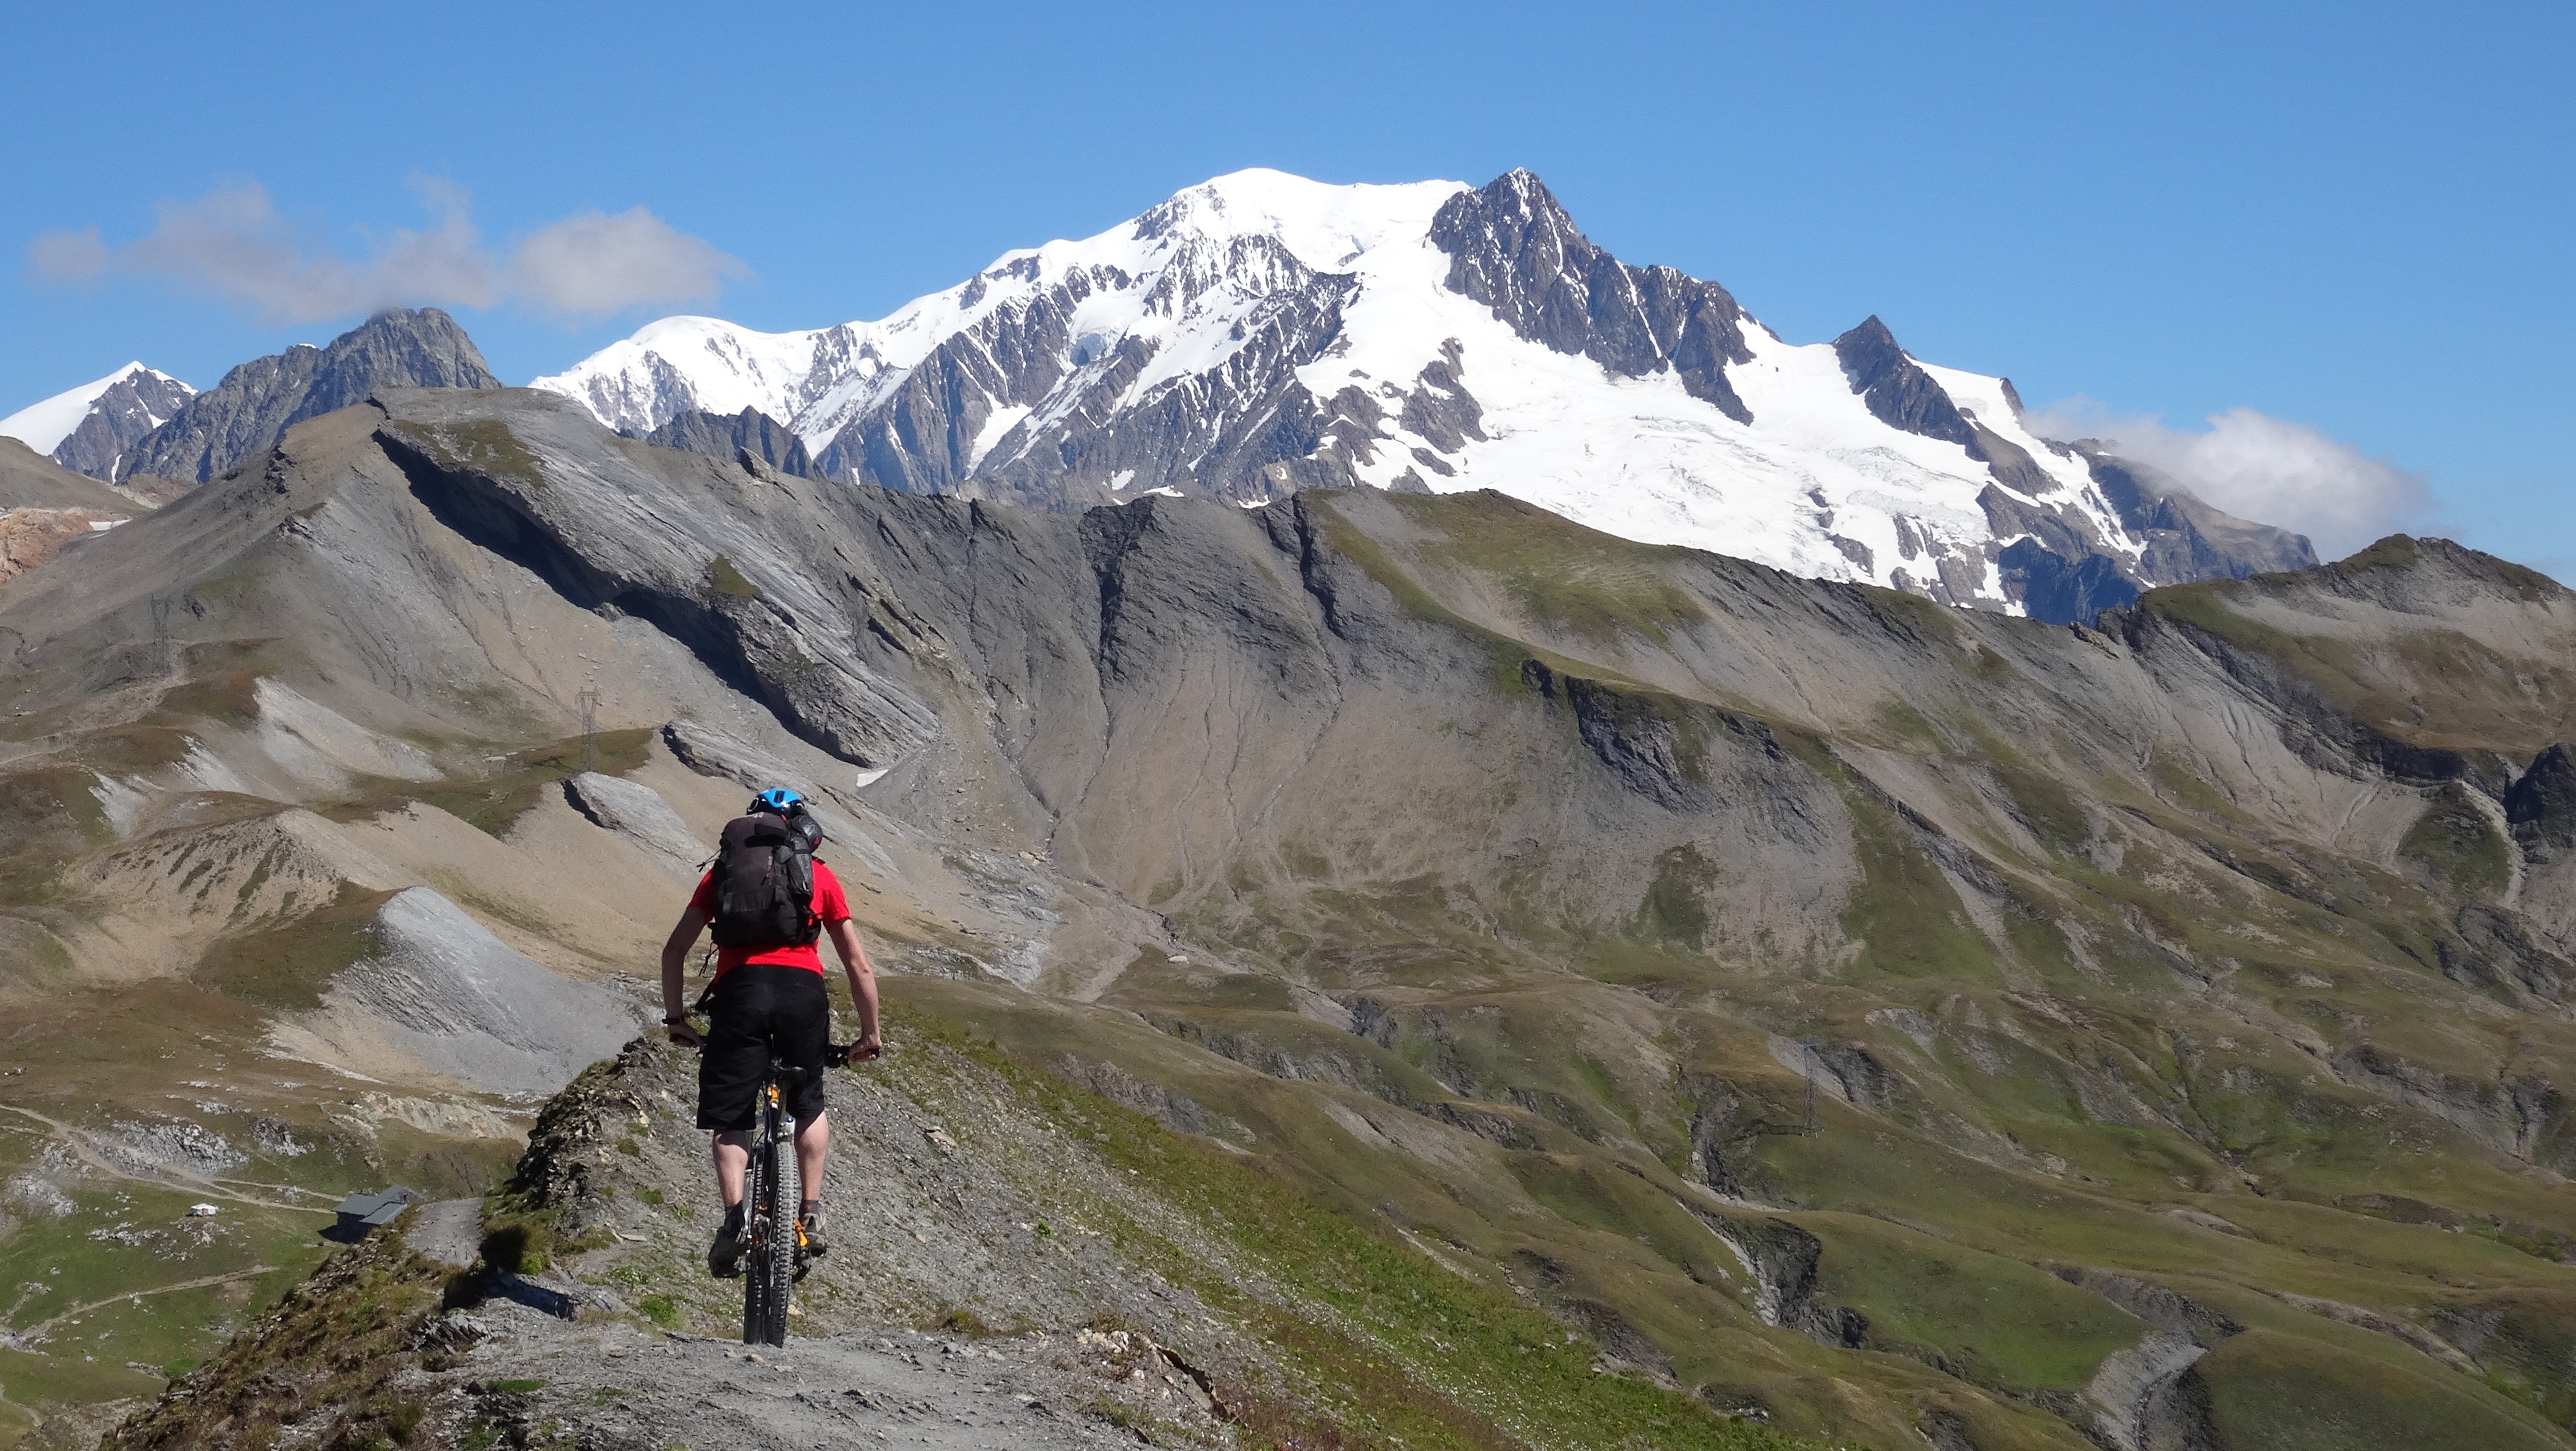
763, 1011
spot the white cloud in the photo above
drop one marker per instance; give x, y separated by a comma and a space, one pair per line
595, 265
233, 244
2258, 467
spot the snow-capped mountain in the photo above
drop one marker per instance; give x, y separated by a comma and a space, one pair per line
1262, 333
85, 428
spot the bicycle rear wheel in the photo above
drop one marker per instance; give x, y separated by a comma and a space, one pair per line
769, 1271
779, 1265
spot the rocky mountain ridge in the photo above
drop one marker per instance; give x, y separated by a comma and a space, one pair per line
1889, 1021
1261, 333
212, 433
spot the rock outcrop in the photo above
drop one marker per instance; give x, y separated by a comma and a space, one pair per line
30, 537
750, 435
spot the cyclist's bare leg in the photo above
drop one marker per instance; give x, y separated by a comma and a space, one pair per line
733, 1160
811, 1140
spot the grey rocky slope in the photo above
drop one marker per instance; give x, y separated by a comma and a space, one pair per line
239, 418
2192, 988
29, 480
45, 508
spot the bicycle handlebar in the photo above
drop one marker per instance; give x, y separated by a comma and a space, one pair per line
835, 1055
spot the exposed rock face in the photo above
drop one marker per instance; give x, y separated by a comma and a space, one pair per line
1899, 393
737, 599
441, 998
1250, 431
1512, 247
121, 418
748, 434
2542, 805
30, 537
2055, 587
2184, 538
216, 431
638, 813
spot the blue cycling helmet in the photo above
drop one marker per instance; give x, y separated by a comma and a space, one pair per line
776, 800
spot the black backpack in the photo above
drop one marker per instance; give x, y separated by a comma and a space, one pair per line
764, 880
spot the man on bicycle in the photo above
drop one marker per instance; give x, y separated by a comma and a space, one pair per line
768, 1001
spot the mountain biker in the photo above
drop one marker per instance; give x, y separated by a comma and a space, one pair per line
768, 1001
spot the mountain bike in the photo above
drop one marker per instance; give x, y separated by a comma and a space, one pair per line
773, 1235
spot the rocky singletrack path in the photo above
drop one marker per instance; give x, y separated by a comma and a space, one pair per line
621, 1387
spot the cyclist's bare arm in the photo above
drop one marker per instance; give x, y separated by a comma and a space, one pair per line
863, 986
675, 965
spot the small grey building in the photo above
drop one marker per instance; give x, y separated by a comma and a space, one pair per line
360, 1214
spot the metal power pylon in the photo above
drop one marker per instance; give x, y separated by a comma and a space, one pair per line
588, 701
164, 658
1815, 1116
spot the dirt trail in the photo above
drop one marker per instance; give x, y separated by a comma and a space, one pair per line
449, 1231
620, 1386
201, 1283
78, 1142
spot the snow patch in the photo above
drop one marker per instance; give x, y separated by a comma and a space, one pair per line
994, 430
123, 802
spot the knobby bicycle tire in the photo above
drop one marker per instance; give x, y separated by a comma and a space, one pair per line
779, 1266
769, 1276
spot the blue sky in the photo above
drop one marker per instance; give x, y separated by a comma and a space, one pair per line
2352, 216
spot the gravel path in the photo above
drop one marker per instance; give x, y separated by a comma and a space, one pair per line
449, 1231
620, 1387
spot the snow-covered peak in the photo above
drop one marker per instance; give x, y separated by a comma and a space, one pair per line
816, 381
681, 364
44, 425
1261, 333
1326, 227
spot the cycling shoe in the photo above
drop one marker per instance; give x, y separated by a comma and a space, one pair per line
724, 1257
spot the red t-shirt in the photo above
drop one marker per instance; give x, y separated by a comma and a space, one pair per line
829, 904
